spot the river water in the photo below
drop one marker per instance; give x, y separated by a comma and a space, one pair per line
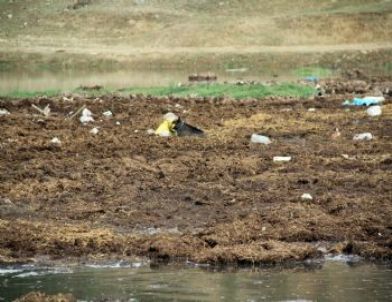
71, 79
329, 281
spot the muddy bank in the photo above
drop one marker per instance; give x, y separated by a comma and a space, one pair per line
219, 199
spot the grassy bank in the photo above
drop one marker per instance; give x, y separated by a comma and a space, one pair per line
201, 90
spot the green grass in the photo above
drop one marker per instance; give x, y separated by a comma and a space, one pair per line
202, 90
234, 91
31, 94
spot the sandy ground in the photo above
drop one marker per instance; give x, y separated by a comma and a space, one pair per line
123, 193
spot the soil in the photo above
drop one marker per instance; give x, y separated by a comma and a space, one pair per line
214, 199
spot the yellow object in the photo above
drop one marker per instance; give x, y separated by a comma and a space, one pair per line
166, 129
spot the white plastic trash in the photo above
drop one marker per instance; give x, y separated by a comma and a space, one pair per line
87, 116
306, 196
375, 99
374, 110
170, 116
118, 123
55, 141
4, 112
108, 113
367, 136
94, 131
312, 109
260, 139
150, 131
281, 158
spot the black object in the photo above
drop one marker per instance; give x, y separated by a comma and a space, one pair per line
184, 129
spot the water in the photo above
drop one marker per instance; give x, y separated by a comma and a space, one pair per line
71, 79
333, 281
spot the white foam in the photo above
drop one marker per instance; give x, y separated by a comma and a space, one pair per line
119, 264
27, 274
343, 258
5, 271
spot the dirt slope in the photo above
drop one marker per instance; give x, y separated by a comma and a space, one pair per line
220, 198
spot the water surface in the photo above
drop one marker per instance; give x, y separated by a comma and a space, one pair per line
69, 80
333, 281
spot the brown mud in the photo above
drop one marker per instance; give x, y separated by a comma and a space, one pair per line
217, 199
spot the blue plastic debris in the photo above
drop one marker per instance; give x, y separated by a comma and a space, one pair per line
366, 101
312, 79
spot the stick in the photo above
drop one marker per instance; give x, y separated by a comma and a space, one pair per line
77, 112
45, 111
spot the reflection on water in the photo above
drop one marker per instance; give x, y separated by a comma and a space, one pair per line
334, 281
138, 78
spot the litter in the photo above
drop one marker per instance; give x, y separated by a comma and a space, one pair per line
366, 101
55, 141
306, 196
94, 131
118, 123
4, 112
311, 79
260, 139
348, 157
150, 131
281, 158
374, 111
367, 136
108, 113
165, 129
312, 109
170, 116
86, 116
184, 129
173, 125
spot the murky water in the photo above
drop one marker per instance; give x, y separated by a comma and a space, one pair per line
332, 281
70, 80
